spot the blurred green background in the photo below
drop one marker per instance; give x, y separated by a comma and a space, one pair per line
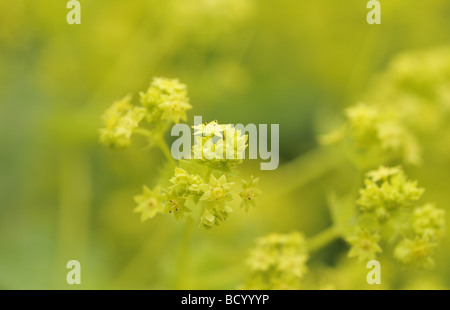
294, 63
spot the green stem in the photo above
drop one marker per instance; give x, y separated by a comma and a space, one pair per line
208, 173
166, 151
323, 238
162, 145
182, 279
301, 171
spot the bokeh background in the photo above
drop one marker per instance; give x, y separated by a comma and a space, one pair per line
64, 196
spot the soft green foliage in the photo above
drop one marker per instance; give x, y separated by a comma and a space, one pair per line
278, 261
209, 190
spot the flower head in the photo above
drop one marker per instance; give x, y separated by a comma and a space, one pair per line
278, 262
166, 100
388, 189
119, 122
249, 192
149, 203
429, 220
218, 191
417, 252
364, 245
175, 204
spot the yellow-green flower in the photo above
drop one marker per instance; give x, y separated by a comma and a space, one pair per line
364, 245
219, 190
119, 122
387, 189
149, 203
249, 192
278, 261
429, 220
417, 252
175, 205
174, 109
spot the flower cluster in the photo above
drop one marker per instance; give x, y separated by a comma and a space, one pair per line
204, 184
164, 103
390, 214
409, 100
376, 131
119, 121
278, 261
212, 197
221, 146
387, 190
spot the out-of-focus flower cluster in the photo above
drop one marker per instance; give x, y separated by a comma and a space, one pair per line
390, 214
164, 103
278, 261
408, 102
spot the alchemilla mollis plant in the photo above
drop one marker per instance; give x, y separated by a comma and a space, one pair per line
386, 215
382, 137
203, 186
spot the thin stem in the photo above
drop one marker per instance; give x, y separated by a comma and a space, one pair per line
166, 151
162, 145
323, 238
182, 280
208, 173
301, 171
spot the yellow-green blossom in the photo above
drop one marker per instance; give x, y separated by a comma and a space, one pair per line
429, 220
249, 192
278, 261
165, 100
387, 189
149, 203
218, 191
119, 122
364, 245
417, 252
175, 204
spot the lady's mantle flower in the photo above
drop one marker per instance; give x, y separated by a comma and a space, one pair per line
387, 189
166, 100
208, 129
149, 203
364, 245
429, 221
249, 192
216, 195
175, 204
388, 205
417, 252
174, 109
278, 262
218, 190
119, 121
220, 146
